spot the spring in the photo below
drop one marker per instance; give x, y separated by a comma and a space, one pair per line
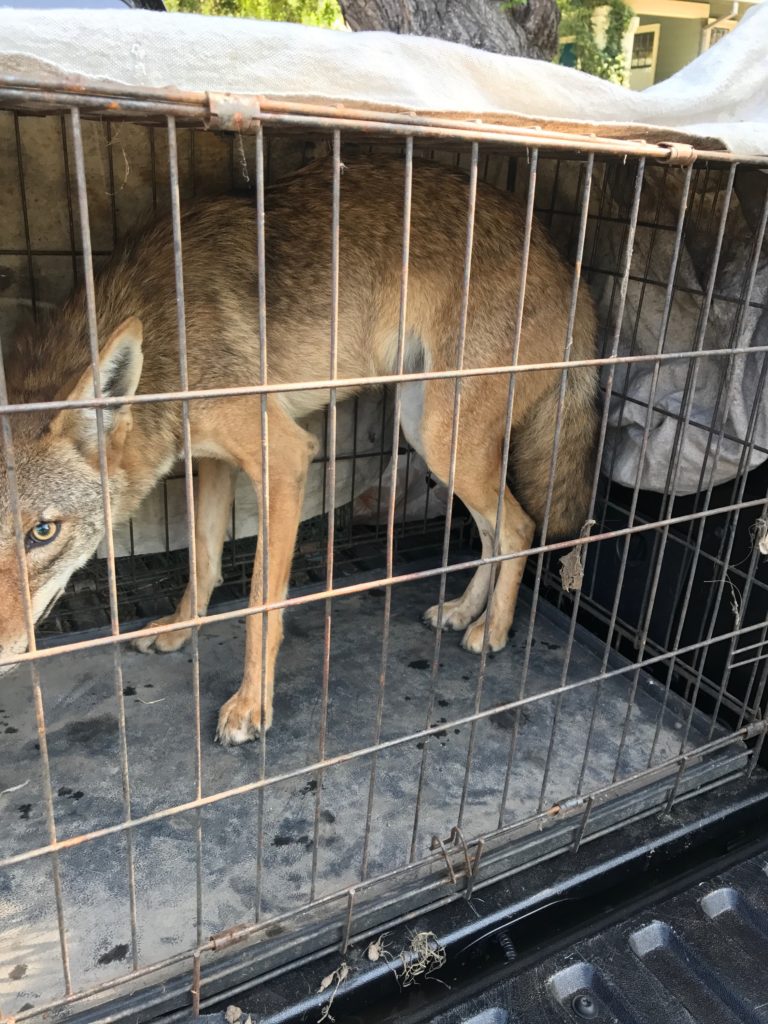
508, 947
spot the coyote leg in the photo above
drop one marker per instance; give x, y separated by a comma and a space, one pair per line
290, 452
215, 490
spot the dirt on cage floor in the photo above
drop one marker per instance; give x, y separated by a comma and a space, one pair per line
299, 862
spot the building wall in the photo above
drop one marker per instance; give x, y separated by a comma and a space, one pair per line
678, 43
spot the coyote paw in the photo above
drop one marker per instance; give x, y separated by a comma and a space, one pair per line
473, 638
455, 616
163, 642
239, 722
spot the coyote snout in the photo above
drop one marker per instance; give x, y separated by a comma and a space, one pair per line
13, 619
57, 475
13, 633
56, 480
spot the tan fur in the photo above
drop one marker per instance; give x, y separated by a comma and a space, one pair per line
56, 455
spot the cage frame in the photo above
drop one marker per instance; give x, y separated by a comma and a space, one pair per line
467, 863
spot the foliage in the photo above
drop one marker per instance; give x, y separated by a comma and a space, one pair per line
577, 20
325, 13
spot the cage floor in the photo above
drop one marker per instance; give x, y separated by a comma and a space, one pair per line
296, 865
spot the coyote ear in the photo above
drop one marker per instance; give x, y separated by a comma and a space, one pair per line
120, 363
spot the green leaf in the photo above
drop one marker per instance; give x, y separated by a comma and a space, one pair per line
323, 13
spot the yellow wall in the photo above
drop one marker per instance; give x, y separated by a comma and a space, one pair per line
678, 43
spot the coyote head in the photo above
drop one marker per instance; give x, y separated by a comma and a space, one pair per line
55, 474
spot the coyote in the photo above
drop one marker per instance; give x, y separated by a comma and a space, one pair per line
56, 453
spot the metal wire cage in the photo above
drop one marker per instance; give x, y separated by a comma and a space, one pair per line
150, 866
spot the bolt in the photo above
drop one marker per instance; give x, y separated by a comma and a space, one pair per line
584, 1006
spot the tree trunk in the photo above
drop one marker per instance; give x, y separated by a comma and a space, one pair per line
521, 29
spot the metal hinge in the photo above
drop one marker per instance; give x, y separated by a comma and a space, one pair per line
229, 937
680, 153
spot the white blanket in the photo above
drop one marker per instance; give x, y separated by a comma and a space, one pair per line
720, 95
700, 409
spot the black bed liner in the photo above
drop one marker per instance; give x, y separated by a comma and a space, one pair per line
666, 922
701, 956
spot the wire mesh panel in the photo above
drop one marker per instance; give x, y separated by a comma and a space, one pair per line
446, 364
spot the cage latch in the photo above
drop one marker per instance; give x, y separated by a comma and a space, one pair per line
457, 842
232, 112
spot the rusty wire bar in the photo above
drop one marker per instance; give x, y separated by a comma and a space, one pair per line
358, 588
723, 435
690, 383
666, 313
695, 224
34, 672
398, 741
72, 253
529, 211
702, 513
202, 108
70, 205
354, 457
153, 164
756, 753
331, 449
11, 408
111, 176
749, 576
739, 486
523, 282
392, 502
525, 826
758, 695
751, 694
591, 271
585, 195
261, 249
681, 430
680, 288
25, 216
645, 281
348, 921
189, 490
662, 337
93, 339
745, 459
628, 248
460, 344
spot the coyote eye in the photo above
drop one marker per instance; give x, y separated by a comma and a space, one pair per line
42, 533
